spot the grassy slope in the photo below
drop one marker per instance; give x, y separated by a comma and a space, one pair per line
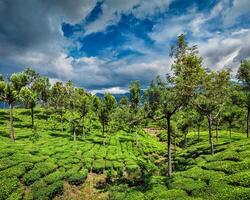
39, 169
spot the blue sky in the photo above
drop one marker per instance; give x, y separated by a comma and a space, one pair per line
103, 45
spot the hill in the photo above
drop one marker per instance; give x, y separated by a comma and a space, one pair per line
47, 164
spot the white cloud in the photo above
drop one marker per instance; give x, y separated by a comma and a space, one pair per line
223, 51
113, 9
112, 90
232, 13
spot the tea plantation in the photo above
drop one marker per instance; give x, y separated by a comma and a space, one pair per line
41, 163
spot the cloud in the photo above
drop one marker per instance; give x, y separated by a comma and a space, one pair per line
233, 13
222, 51
31, 35
112, 90
113, 9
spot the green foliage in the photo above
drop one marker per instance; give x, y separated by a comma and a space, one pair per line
75, 176
8, 186
239, 179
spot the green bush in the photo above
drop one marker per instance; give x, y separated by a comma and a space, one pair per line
160, 192
224, 155
99, 165
201, 174
40, 169
76, 177
187, 184
117, 164
45, 191
8, 186
7, 162
229, 167
16, 171
239, 179
55, 176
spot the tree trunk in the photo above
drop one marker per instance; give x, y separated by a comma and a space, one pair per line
103, 128
198, 133
136, 135
83, 132
74, 132
12, 137
230, 131
62, 123
248, 116
174, 143
32, 118
46, 111
210, 134
174, 157
185, 139
216, 131
169, 173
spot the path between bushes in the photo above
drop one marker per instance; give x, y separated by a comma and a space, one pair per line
86, 191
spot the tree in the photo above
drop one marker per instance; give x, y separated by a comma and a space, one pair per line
57, 100
176, 90
11, 92
135, 98
29, 99
2, 86
83, 106
106, 107
231, 110
42, 87
185, 120
198, 120
211, 97
31, 75
243, 76
124, 102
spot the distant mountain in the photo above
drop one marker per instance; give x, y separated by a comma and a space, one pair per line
117, 96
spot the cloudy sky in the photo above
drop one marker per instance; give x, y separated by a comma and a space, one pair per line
102, 45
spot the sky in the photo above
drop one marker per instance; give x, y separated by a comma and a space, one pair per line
103, 45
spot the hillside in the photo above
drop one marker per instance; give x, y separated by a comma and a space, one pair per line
47, 164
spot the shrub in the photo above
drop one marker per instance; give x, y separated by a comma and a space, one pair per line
16, 171
99, 165
225, 155
229, 167
160, 192
40, 169
201, 174
55, 176
6, 163
8, 186
187, 184
117, 165
239, 179
46, 192
77, 177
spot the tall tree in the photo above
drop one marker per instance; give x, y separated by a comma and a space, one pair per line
135, 98
42, 87
198, 120
124, 102
29, 99
83, 106
243, 76
232, 111
177, 89
11, 92
57, 100
211, 97
106, 107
